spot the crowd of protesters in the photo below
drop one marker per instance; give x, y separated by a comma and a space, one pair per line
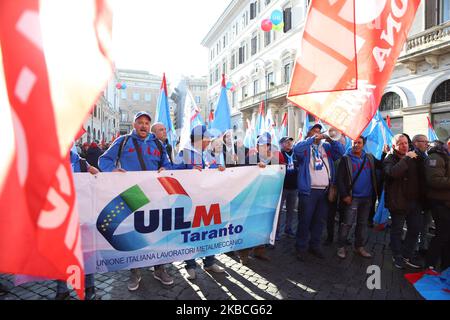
325, 185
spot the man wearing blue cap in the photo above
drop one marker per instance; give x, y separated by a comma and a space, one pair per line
315, 176
138, 151
194, 156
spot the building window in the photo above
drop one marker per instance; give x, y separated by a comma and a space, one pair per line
444, 9
287, 18
124, 117
436, 12
123, 95
216, 74
267, 38
224, 41
441, 123
255, 87
244, 92
244, 20
287, 73
95, 111
397, 125
442, 93
252, 10
197, 99
391, 101
242, 53
267, 2
148, 97
233, 61
270, 79
254, 49
224, 67
136, 96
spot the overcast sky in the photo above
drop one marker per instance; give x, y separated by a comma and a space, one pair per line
164, 36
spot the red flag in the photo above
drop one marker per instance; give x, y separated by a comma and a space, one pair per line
285, 119
211, 116
54, 63
388, 122
347, 56
224, 85
80, 133
430, 124
164, 84
261, 109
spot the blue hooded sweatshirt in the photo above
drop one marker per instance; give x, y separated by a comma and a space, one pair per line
363, 187
302, 150
129, 159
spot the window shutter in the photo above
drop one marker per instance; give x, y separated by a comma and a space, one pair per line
287, 17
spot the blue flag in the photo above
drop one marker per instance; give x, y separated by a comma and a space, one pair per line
381, 217
432, 136
222, 116
378, 134
163, 112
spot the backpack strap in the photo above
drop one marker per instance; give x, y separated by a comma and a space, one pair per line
161, 150
359, 172
122, 144
139, 154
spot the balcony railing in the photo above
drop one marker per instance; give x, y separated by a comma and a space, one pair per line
274, 92
428, 39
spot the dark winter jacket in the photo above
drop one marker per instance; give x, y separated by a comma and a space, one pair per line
401, 182
437, 172
93, 154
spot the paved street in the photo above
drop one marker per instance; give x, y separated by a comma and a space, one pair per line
282, 278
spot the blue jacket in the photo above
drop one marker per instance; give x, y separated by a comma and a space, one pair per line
75, 162
129, 159
363, 187
189, 157
302, 150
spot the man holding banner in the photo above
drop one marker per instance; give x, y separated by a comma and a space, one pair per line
316, 174
139, 151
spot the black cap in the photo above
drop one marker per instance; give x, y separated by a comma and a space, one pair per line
284, 139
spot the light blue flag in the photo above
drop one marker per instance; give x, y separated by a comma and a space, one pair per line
163, 112
260, 127
432, 136
378, 134
381, 217
222, 116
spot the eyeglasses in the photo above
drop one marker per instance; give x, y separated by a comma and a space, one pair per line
423, 141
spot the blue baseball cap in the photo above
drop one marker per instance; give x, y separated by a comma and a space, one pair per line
264, 138
141, 114
314, 125
200, 132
